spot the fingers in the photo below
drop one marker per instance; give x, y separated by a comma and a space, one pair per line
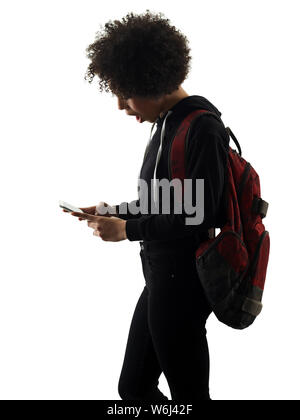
89, 210
94, 222
84, 216
105, 209
93, 225
101, 208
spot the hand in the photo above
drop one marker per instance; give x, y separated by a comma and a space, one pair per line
93, 210
88, 210
104, 209
107, 228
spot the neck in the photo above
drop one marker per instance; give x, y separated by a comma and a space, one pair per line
171, 99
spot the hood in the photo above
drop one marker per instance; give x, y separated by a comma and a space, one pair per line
178, 111
187, 105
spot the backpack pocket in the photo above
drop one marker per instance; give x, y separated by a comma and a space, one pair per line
221, 264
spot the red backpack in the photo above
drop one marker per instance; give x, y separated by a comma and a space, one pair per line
231, 266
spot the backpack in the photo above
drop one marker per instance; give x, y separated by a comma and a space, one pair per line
231, 266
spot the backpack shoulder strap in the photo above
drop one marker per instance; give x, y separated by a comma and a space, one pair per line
177, 148
176, 159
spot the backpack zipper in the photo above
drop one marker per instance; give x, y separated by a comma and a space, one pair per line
218, 240
253, 264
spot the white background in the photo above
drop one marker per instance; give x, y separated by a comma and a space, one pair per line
66, 296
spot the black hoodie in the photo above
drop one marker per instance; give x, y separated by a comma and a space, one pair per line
206, 156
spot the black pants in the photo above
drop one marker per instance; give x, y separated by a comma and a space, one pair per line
167, 332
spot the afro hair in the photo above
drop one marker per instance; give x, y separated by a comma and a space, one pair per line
141, 55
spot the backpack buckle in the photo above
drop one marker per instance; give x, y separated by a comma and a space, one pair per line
260, 206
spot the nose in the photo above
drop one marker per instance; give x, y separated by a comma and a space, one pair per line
122, 104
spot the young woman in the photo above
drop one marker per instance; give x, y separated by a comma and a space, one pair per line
144, 60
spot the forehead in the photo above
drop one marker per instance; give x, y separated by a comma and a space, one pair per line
140, 101
135, 101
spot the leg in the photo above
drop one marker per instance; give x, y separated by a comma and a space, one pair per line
178, 311
141, 371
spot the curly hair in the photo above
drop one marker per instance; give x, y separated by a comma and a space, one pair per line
141, 55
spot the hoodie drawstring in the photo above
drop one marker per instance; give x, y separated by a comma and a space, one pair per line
155, 195
146, 150
157, 156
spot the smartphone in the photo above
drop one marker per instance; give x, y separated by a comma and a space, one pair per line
69, 207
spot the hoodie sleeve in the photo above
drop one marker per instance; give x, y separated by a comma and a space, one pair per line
206, 158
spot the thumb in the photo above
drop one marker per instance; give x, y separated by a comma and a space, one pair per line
103, 208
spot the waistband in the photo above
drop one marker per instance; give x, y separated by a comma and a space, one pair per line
186, 245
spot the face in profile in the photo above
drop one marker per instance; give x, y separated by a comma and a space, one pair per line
144, 109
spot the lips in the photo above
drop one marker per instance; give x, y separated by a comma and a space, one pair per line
139, 118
